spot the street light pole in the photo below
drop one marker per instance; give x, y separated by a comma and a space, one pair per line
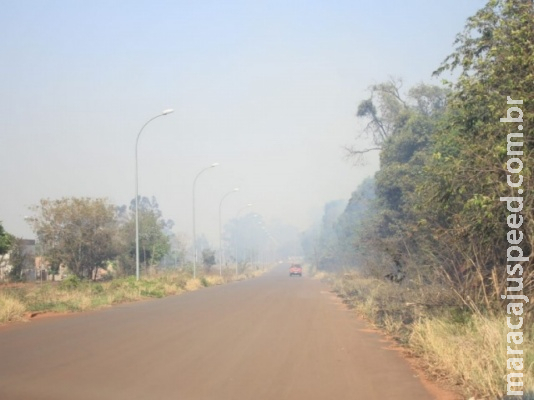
220, 229
194, 220
165, 112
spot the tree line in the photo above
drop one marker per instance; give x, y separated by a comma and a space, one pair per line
84, 234
433, 212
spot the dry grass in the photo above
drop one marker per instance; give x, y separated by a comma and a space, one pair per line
471, 355
456, 344
320, 275
213, 280
252, 274
193, 284
11, 309
311, 271
73, 295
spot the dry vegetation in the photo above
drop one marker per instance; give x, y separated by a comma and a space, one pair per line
21, 301
11, 309
456, 343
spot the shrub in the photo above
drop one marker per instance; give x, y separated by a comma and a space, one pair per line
97, 288
70, 283
193, 284
11, 309
215, 280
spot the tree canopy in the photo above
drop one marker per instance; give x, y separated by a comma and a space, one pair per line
443, 163
154, 235
78, 233
5, 240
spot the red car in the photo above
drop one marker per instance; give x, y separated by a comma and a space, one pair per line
295, 269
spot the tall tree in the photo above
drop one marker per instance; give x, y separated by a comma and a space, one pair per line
352, 226
5, 240
404, 128
154, 235
467, 173
321, 243
20, 259
383, 111
208, 259
76, 232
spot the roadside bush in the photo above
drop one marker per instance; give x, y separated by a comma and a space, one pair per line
151, 288
215, 280
97, 288
193, 284
72, 282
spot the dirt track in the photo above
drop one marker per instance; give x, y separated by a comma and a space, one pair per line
273, 337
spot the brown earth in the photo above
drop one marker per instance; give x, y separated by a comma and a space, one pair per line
273, 337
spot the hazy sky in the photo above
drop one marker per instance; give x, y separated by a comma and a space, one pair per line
268, 89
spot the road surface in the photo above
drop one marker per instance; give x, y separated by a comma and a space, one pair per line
272, 337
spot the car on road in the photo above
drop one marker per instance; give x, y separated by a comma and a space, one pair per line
295, 269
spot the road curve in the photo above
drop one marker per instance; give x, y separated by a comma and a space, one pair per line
272, 337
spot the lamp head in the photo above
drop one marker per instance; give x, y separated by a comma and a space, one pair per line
167, 111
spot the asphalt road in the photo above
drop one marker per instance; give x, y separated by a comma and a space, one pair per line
272, 337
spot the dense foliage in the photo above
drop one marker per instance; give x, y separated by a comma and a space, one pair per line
5, 240
154, 235
443, 166
77, 233
85, 234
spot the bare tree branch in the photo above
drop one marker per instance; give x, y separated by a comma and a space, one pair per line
357, 156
